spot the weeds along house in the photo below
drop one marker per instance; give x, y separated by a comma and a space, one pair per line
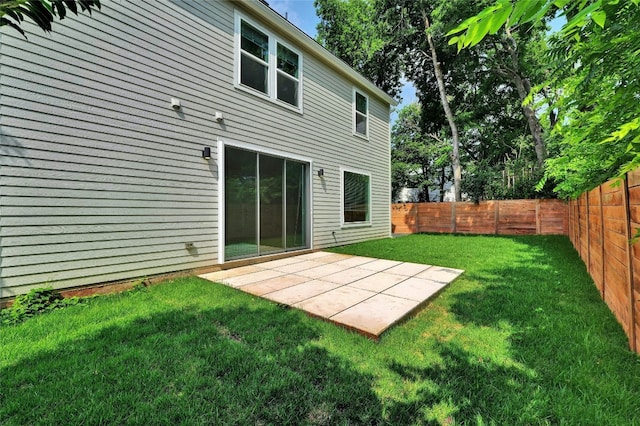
166, 135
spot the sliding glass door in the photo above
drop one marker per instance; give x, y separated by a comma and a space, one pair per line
265, 204
271, 234
296, 205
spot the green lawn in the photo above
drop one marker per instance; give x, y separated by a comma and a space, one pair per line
521, 338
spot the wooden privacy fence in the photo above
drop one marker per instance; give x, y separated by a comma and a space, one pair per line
504, 217
601, 225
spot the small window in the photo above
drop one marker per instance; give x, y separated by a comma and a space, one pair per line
360, 114
356, 190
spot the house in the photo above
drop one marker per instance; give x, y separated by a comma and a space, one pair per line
170, 135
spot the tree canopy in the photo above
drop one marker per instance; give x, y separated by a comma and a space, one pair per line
480, 87
595, 86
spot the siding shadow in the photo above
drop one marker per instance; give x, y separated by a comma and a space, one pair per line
14, 155
10, 147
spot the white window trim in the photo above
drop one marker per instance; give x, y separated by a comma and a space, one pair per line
354, 112
272, 68
344, 224
222, 142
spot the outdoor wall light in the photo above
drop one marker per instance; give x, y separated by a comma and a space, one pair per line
320, 172
206, 153
175, 104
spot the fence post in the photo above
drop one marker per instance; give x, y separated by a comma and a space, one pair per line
569, 222
538, 226
602, 239
578, 237
496, 214
588, 222
632, 328
576, 222
453, 217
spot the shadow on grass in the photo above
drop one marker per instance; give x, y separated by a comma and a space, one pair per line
521, 338
218, 366
564, 360
543, 293
473, 389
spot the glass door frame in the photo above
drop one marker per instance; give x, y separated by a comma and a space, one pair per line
221, 175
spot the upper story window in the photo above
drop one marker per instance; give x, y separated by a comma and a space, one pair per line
287, 81
360, 114
254, 58
266, 65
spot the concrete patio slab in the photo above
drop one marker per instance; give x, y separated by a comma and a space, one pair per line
315, 255
443, 275
334, 301
298, 293
375, 315
322, 271
380, 265
378, 282
416, 289
334, 257
348, 275
228, 273
299, 266
361, 293
408, 269
281, 262
355, 261
253, 277
274, 284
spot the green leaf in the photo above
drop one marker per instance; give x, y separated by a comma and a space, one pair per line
580, 18
499, 19
535, 9
520, 8
599, 17
476, 33
13, 25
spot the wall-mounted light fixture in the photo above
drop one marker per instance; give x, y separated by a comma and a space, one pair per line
320, 172
206, 153
218, 116
175, 103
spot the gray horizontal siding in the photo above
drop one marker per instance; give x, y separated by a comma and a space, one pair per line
101, 180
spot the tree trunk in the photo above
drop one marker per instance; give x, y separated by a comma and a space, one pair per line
524, 87
534, 124
442, 182
455, 158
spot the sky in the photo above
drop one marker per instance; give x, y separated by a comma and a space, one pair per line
302, 14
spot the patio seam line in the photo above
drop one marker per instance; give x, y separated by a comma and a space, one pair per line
324, 292
378, 292
306, 282
355, 304
375, 294
343, 285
